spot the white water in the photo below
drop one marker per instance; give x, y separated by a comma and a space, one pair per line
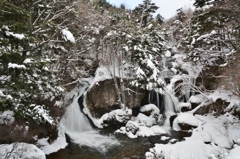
169, 108
79, 129
74, 121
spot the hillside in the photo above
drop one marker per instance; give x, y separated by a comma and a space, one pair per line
50, 49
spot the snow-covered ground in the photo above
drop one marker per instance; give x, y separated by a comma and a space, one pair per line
213, 138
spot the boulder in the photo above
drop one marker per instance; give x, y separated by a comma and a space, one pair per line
184, 122
219, 106
102, 97
184, 107
195, 101
132, 127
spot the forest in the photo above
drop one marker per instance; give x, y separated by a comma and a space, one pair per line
49, 48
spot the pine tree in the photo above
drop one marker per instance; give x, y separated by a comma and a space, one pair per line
143, 12
31, 41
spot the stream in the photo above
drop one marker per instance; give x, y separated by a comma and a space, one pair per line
86, 142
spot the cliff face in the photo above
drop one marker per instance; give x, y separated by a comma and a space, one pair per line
102, 97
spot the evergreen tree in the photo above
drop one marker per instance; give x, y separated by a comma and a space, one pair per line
159, 19
143, 12
31, 41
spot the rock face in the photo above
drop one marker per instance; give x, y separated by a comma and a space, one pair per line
218, 107
207, 79
102, 97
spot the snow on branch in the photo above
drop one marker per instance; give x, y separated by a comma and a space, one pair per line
68, 35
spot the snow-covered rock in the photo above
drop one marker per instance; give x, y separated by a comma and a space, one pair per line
184, 121
132, 127
21, 151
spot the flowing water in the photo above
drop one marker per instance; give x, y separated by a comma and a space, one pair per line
76, 125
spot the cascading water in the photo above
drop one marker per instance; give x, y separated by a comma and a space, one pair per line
78, 128
74, 121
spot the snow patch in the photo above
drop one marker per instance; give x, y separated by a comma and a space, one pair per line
68, 35
7, 117
18, 36
14, 65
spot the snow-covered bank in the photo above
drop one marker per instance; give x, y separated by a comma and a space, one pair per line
20, 151
212, 139
59, 143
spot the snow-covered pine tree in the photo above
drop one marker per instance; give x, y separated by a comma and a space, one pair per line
30, 45
146, 46
143, 12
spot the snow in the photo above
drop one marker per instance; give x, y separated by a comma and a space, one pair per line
163, 138
140, 73
234, 153
20, 151
18, 36
42, 112
26, 61
7, 117
184, 118
150, 107
68, 35
180, 150
59, 143
14, 65
184, 105
168, 53
213, 138
144, 125
195, 99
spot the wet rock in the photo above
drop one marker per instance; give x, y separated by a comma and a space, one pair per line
236, 111
136, 111
184, 107
218, 107
186, 126
171, 119
177, 88
195, 101
205, 109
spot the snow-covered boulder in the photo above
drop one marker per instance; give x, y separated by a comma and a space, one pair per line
116, 118
185, 122
195, 101
132, 127
21, 151
184, 107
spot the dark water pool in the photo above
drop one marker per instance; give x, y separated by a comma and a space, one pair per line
128, 148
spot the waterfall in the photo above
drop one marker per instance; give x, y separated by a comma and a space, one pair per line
74, 120
169, 105
76, 125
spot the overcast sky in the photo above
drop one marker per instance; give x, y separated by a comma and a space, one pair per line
167, 7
